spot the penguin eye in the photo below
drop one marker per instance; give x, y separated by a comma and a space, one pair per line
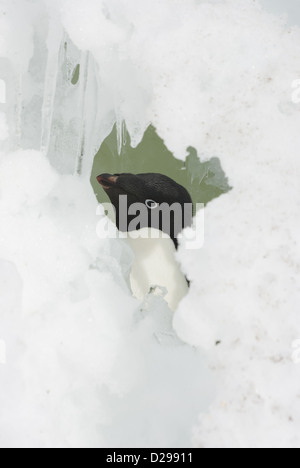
151, 204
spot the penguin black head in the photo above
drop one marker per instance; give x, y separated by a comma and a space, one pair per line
155, 192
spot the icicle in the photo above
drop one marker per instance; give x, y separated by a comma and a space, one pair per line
95, 127
54, 42
82, 109
124, 134
121, 134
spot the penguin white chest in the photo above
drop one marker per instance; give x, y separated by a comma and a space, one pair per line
155, 265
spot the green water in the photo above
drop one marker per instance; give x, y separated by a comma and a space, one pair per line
204, 180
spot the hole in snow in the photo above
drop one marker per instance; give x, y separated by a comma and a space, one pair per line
203, 180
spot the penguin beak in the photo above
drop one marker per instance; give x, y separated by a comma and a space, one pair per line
107, 181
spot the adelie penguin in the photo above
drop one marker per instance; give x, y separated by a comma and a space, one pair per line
154, 209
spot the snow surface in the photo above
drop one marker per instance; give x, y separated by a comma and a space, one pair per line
86, 364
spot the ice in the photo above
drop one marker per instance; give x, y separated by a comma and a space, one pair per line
87, 365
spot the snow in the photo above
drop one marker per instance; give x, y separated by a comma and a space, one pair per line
87, 365
78, 346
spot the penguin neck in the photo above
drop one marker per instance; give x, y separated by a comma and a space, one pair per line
154, 265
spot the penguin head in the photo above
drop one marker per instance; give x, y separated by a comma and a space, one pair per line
155, 192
